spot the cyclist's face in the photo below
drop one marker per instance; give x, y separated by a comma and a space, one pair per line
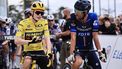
37, 15
80, 14
2, 23
51, 22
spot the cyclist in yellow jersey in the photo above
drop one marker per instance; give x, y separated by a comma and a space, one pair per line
32, 33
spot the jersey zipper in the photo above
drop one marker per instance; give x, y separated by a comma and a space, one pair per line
84, 40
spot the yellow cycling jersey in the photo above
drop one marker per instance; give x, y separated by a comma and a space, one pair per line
27, 30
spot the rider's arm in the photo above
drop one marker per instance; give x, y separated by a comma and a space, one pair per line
96, 40
73, 42
18, 39
5, 42
73, 37
97, 44
48, 44
65, 33
47, 37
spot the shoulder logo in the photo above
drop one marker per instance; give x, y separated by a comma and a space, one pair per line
28, 26
95, 23
73, 24
39, 25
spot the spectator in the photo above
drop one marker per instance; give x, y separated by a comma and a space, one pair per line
120, 17
3, 48
56, 42
27, 13
65, 35
117, 23
107, 27
101, 22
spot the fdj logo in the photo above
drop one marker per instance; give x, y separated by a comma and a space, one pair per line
84, 34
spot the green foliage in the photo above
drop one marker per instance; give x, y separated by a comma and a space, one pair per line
15, 14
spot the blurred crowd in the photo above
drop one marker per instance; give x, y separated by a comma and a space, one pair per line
109, 25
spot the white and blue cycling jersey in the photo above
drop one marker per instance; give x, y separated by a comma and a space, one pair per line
54, 29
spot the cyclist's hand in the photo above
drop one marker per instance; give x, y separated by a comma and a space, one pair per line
102, 57
58, 35
34, 40
71, 58
50, 55
5, 42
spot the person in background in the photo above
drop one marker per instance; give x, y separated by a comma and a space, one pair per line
65, 35
27, 13
56, 42
117, 23
8, 44
120, 18
3, 47
107, 27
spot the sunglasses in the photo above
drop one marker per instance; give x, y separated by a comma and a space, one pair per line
39, 12
50, 20
77, 11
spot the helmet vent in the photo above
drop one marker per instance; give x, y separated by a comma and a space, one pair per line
41, 5
34, 5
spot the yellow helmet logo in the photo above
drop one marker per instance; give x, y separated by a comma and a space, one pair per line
38, 6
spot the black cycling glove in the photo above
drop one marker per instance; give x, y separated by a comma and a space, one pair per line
50, 55
34, 40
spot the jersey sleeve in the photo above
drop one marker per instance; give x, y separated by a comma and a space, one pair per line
95, 26
68, 24
20, 29
72, 27
72, 24
59, 29
46, 30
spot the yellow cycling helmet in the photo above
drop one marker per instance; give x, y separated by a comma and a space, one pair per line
37, 6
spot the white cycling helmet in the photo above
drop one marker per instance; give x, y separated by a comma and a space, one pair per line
8, 20
50, 17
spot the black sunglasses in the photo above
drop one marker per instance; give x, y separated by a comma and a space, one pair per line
50, 20
79, 11
39, 12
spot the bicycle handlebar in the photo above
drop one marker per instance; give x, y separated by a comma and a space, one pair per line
38, 55
92, 50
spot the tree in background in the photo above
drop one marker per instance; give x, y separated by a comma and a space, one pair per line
27, 3
15, 14
60, 11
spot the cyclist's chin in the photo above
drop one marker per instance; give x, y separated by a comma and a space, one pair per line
38, 19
